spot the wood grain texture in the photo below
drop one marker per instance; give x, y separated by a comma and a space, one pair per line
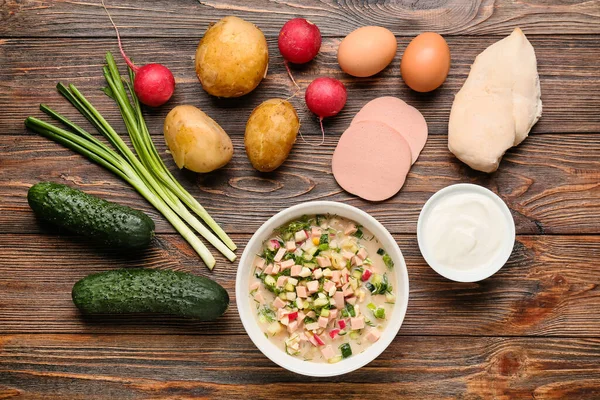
159, 18
550, 182
570, 82
230, 367
550, 286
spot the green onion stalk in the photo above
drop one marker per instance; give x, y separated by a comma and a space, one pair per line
148, 174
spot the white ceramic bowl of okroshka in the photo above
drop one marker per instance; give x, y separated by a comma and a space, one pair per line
324, 329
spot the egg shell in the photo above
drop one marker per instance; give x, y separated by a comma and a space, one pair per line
425, 62
367, 51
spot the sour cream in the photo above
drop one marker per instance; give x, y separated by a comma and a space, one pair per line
466, 229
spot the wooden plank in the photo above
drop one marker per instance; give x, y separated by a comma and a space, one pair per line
162, 18
31, 68
550, 182
548, 287
228, 367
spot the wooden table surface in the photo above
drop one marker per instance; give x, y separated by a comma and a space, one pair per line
531, 331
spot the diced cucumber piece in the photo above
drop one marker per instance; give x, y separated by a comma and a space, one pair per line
270, 281
335, 359
325, 312
289, 287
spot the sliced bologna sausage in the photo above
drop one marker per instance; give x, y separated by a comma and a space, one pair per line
371, 160
405, 119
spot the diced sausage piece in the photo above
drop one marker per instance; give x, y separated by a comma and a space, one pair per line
260, 263
305, 272
281, 280
254, 286
269, 269
300, 236
362, 253
285, 320
373, 335
327, 285
290, 246
328, 352
350, 229
371, 160
316, 232
278, 303
286, 264
301, 316
279, 255
333, 313
296, 270
311, 338
281, 312
292, 326
357, 323
312, 286
301, 291
403, 118
347, 255
338, 297
348, 292
323, 321
276, 268
258, 296
335, 276
311, 314
357, 261
350, 300
324, 262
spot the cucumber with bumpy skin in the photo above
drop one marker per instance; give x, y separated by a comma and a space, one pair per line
130, 291
90, 216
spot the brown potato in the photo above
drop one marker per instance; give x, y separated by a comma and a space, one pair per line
270, 134
195, 140
232, 58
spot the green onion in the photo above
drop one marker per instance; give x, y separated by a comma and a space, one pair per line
359, 233
380, 251
346, 350
387, 260
324, 238
350, 310
379, 313
147, 174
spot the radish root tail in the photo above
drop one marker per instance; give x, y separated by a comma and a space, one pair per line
322, 135
287, 67
127, 60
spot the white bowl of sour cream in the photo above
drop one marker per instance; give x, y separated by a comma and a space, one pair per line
465, 232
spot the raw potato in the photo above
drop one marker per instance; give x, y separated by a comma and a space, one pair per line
195, 140
270, 134
232, 58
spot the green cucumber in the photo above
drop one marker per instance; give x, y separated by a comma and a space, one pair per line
88, 215
131, 291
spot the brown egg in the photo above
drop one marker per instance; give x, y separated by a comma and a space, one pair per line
367, 51
425, 62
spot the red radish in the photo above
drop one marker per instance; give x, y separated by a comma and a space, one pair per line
366, 275
325, 97
319, 341
333, 332
275, 244
299, 42
342, 324
292, 316
153, 84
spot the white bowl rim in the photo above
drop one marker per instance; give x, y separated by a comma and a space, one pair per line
476, 274
267, 347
